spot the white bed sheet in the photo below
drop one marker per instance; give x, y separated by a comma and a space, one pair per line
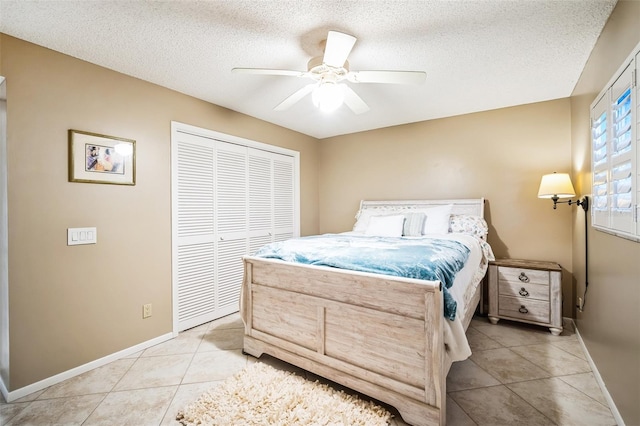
462, 290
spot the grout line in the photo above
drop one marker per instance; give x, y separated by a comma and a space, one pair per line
532, 406
580, 390
193, 355
208, 329
95, 408
463, 410
567, 352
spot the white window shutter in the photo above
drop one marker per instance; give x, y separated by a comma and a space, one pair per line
621, 159
615, 154
636, 88
600, 162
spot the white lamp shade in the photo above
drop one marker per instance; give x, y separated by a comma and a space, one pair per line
328, 96
556, 184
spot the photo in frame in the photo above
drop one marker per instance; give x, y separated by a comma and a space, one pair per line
95, 158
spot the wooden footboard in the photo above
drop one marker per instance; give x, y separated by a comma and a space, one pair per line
379, 335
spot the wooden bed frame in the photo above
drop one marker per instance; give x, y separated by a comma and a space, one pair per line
379, 335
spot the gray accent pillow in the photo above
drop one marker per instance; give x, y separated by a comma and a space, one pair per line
413, 224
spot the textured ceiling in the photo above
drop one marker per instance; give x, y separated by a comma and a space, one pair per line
478, 54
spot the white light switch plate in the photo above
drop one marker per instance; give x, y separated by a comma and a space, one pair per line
76, 236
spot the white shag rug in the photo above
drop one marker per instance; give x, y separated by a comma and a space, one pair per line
262, 395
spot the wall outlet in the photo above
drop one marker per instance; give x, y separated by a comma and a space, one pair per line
146, 310
580, 304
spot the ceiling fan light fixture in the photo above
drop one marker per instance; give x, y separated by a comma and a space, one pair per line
328, 96
330, 73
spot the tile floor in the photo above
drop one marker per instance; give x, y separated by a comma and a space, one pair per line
518, 375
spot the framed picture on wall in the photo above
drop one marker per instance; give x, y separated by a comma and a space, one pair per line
95, 158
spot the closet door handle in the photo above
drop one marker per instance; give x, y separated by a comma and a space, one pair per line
523, 277
523, 310
523, 292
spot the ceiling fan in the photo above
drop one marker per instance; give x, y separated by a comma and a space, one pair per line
329, 73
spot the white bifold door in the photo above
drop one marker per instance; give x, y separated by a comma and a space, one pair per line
228, 200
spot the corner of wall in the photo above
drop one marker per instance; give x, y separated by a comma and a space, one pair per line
4, 245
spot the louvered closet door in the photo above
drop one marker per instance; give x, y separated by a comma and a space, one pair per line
284, 198
271, 198
232, 220
194, 260
228, 199
260, 199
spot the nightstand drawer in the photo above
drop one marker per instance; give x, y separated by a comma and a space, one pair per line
531, 310
523, 276
524, 291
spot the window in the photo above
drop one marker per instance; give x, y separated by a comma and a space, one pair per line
615, 153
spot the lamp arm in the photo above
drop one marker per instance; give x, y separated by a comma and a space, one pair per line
584, 202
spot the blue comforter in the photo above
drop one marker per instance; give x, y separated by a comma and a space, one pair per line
424, 258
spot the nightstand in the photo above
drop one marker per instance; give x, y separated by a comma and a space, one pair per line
527, 291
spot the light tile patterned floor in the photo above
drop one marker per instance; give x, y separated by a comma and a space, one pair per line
518, 375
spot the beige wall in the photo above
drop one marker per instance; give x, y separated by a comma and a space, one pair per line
609, 325
499, 155
72, 305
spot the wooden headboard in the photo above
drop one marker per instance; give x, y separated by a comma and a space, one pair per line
471, 206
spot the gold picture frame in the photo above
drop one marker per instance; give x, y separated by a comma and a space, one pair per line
96, 158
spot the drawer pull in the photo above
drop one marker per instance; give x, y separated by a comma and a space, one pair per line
523, 277
523, 292
523, 310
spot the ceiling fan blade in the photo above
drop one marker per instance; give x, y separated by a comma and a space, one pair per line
392, 77
337, 48
266, 71
295, 97
353, 101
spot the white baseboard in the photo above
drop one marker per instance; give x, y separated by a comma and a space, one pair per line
43, 384
598, 377
3, 390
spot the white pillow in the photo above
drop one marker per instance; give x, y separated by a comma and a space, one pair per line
385, 226
364, 216
437, 220
362, 220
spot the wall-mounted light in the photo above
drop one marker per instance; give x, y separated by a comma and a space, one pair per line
558, 185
